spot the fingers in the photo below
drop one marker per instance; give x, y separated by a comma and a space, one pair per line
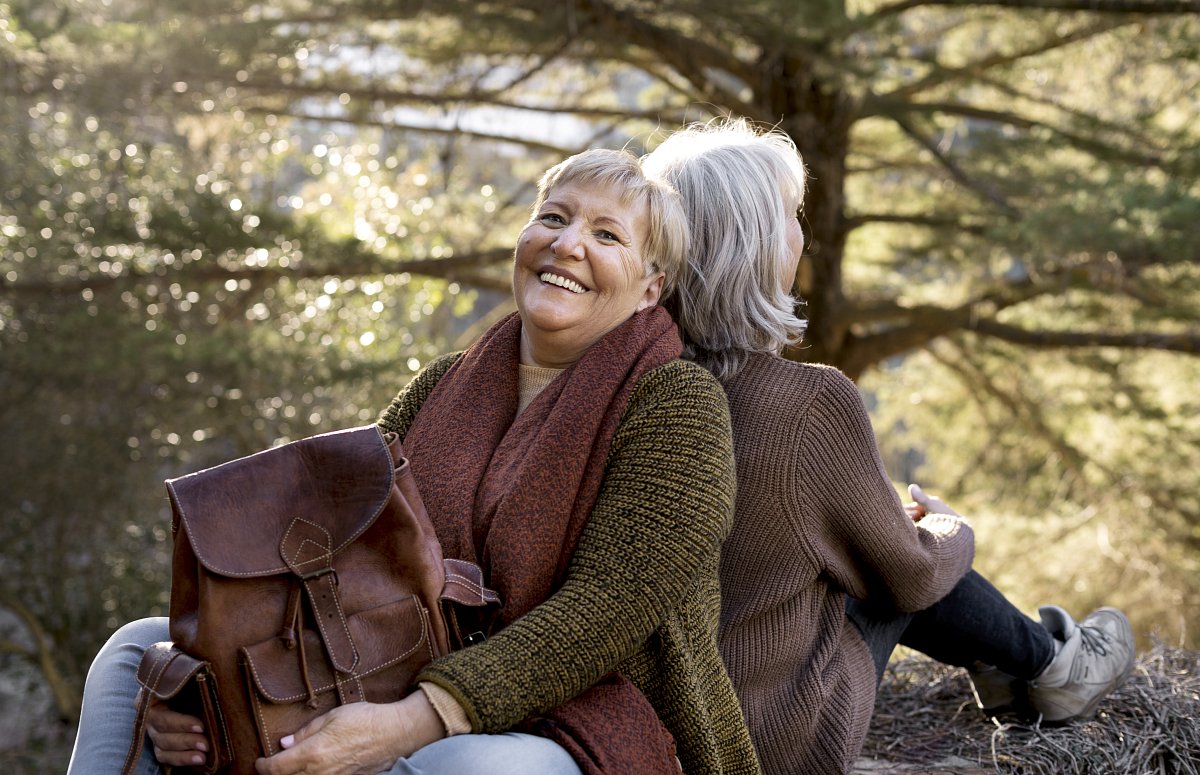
928, 504
163, 719
178, 739
180, 750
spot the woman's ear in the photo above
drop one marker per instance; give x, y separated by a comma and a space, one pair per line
654, 287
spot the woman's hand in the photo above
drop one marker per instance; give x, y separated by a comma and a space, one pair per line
361, 738
925, 504
178, 739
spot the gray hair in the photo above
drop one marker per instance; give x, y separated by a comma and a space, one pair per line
739, 186
667, 226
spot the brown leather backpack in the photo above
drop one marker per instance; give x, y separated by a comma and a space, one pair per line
304, 577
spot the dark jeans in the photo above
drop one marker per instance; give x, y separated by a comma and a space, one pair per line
972, 623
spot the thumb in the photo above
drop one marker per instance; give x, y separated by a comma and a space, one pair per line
916, 493
304, 732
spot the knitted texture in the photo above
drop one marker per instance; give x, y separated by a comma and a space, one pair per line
817, 518
532, 380
513, 496
631, 598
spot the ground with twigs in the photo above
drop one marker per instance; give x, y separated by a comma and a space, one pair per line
926, 722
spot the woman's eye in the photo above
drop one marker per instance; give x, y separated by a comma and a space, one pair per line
554, 218
607, 236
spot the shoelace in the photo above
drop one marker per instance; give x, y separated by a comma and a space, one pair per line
1094, 640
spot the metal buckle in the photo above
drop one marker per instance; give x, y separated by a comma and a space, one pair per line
316, 574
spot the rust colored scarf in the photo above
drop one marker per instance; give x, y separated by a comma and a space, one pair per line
514, 496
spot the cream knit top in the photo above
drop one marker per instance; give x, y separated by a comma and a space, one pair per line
816, 518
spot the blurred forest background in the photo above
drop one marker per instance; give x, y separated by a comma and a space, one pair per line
225, 224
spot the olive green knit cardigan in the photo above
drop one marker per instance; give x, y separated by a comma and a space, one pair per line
641, 594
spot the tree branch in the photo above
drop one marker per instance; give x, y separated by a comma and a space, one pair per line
975, 377
1071, 456
1079, 115
888, 107
441, 98
459, 268
691, 58
957, 172
895, 329
954, 222
900, 329
1050, 43
1183, 343
1156, 7
66, 697
538, 145
12, 647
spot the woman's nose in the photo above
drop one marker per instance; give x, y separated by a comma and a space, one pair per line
569, 243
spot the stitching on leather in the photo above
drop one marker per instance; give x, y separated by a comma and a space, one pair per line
216, 701
262, 723
385, 498
326, 550
258, 683
321, 622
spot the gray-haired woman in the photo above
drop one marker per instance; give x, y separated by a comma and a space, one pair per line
826, 570
589, 471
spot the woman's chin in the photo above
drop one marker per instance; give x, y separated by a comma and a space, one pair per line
553, 317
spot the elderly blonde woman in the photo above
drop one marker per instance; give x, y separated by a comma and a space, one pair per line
590, 472
826, 570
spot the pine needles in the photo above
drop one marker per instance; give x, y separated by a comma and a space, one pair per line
926, 722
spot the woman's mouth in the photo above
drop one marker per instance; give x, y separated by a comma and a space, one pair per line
561, 282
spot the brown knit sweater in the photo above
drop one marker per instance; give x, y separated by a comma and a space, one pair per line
816, 518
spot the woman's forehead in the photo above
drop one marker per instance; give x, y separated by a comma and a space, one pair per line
600, 195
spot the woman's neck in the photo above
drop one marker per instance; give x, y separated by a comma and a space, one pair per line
545, 353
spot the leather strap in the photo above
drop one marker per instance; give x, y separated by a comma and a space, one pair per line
139, 734
464, 584
148, 686
307, 549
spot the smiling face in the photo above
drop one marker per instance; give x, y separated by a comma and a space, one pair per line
578, 271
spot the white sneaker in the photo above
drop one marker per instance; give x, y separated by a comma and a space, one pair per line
1096, 656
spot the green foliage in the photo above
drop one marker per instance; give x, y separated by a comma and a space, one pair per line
224, 225
178, 288
1072, 479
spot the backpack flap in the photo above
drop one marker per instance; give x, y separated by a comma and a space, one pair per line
164, 670
335, 483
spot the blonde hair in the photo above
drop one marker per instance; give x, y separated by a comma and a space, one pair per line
667, 227
739, 186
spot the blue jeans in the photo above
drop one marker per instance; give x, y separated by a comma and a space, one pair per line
107, 716
973, 623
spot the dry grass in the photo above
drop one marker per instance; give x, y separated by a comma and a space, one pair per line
926, 722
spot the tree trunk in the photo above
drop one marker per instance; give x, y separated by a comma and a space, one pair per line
818, 117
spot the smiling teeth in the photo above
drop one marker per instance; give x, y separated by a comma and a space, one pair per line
561, 282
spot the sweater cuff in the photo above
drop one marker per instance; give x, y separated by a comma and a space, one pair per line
453, 717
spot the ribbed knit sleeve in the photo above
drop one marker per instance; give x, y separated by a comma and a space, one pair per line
863, 535
661, 513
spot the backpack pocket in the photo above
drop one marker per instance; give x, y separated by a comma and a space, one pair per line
188, 686
290, 681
